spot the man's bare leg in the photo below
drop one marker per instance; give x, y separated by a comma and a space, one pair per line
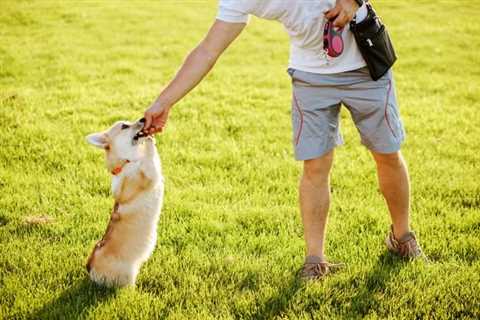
395, 186
315, 202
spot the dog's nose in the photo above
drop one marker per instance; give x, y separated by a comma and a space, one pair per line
142, 120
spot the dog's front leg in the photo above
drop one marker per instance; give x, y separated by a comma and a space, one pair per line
133, 182
121, 181
150, 164
117, 186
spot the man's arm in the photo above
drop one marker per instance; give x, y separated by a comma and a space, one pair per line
197, 64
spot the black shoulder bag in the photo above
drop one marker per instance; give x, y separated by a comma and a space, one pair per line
374, 43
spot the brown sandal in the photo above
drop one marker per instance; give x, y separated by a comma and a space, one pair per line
405, 247
315, 268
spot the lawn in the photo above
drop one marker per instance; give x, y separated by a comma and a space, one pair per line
230, 237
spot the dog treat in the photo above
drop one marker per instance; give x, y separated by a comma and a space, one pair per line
142, 133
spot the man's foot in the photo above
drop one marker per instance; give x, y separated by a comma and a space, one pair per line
315, 268
406, 247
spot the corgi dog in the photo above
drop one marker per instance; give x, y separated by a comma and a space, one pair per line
137, 187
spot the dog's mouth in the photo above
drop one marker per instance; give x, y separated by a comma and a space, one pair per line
140, 135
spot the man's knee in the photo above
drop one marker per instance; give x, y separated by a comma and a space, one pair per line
394, 159
317, 170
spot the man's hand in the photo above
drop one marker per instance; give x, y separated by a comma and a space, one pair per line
342, 13
156, 117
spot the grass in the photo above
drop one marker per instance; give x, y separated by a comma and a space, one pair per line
230, 236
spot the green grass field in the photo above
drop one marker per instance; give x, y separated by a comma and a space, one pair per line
230, 236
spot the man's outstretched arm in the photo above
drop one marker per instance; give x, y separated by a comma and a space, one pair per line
197, 64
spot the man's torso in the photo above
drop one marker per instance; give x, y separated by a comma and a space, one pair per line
304, 21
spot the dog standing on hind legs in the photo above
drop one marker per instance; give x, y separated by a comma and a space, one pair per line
137, 187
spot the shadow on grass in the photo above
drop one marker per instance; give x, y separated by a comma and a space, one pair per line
74, 302
370, 288
277, 304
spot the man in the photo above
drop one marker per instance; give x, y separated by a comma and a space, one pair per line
321, 83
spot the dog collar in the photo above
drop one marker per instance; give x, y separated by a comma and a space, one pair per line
118, 168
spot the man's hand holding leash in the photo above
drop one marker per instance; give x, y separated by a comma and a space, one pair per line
343, 12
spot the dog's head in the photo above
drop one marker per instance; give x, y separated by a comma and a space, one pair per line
123, 141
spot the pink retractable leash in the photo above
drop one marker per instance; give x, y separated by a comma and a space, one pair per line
332, 40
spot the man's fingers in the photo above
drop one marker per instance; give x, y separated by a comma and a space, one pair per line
332, 13
154, 130
157, 125
155, 120
341, 20
148, 120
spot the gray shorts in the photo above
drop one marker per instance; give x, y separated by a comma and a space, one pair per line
316, 102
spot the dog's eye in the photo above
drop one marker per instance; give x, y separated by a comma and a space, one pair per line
125, 126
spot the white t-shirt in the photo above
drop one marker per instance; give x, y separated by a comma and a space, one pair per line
304, 21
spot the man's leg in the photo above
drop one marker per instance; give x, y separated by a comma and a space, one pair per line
315, 202
395, 186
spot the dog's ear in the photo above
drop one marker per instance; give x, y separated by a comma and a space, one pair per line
98, 140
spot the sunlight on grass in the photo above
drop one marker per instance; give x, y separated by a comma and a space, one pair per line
230, 238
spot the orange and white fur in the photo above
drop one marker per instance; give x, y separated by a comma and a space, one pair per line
137, 186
